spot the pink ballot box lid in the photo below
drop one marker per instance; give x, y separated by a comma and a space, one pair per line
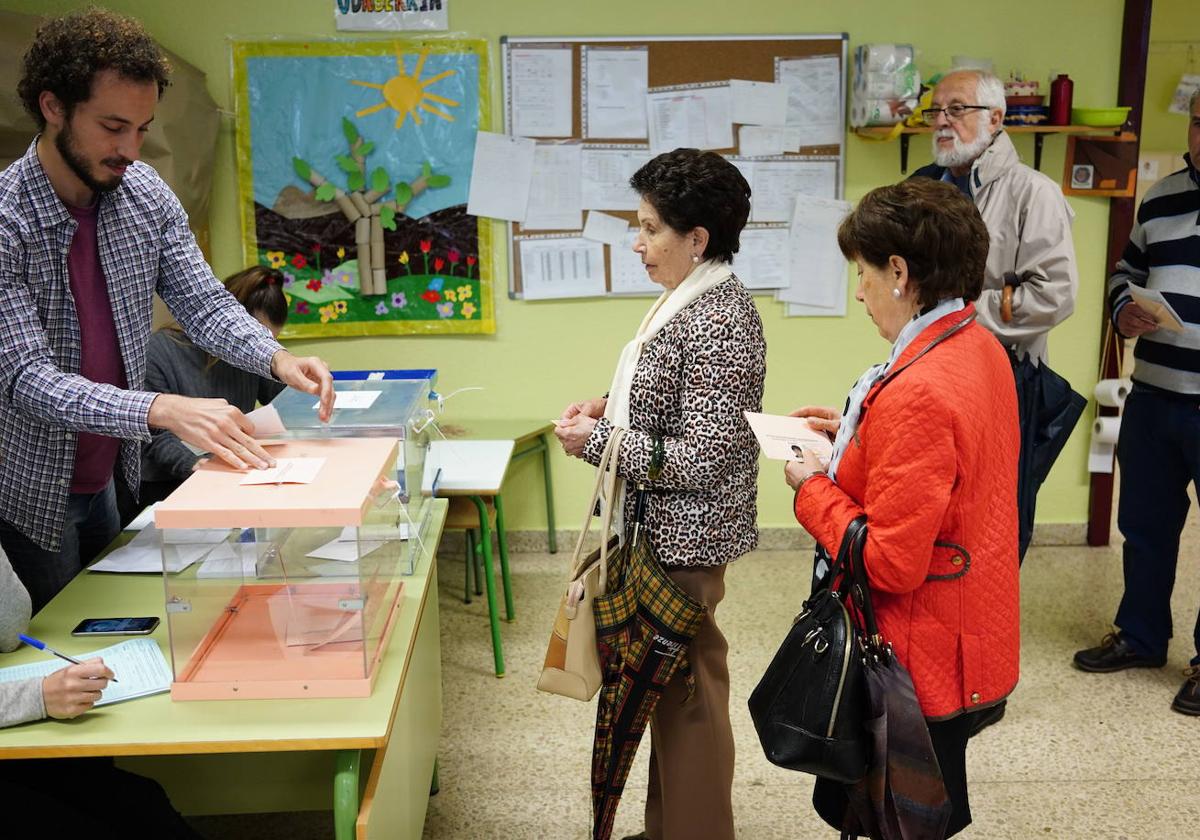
351, 475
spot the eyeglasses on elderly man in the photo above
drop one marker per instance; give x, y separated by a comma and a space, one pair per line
953, 112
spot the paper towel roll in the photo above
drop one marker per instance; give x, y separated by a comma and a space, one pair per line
886, 58
1112, 392
880, 111
889, 86
1106, 430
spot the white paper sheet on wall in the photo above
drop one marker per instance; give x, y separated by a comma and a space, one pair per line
767, 140
762, 260
563, 267
758, 103
817, 268
556, 188
627, 274
615, 92
777, 183
500, 179
676, 120
542, 81
814, 103
606, 174
718, 117
605, 228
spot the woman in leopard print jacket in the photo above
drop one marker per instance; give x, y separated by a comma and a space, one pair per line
696, 363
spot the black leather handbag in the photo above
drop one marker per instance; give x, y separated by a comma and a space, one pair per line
808, 707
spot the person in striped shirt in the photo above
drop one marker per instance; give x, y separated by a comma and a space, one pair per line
1159, 447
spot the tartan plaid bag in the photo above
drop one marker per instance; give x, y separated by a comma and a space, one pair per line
572, 665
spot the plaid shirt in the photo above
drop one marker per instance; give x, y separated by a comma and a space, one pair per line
145, 247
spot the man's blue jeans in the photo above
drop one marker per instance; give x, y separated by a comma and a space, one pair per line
1159, 454
92, 523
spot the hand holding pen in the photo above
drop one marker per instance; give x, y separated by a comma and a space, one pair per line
71, 691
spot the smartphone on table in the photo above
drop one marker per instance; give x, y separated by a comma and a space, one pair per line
143, 626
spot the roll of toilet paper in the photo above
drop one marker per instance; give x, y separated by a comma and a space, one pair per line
1112, 392
880, 111
1106, 430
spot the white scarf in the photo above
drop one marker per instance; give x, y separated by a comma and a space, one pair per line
873, 374
670, 303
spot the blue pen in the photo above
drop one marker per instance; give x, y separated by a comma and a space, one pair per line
32, 642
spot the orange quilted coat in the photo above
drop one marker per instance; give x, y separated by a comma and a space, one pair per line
934, 467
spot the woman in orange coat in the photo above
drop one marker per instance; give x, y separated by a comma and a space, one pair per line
927, 448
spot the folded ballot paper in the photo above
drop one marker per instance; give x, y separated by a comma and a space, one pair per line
784, 438
153, 550
138, 664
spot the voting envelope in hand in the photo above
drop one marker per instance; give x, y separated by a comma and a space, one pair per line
784, 438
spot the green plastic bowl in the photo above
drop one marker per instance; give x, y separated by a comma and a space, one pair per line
1100, 116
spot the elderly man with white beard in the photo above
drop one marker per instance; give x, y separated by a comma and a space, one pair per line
1026, 214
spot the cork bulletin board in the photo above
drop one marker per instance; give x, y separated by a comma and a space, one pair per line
808, 159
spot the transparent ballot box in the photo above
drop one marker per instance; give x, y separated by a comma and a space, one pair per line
285, 589
389, 408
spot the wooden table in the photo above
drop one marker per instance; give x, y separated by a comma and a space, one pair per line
242, 756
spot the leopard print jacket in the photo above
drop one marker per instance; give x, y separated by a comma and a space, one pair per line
692, 383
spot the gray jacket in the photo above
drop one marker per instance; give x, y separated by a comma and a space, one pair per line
1029, 222
19, 701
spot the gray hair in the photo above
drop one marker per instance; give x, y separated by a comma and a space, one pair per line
989, 90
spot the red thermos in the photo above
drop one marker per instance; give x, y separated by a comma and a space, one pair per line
1060, 100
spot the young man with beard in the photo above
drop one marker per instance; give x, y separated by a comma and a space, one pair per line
1026, 214
87, 236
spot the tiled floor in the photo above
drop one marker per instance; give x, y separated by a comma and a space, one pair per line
1100, 757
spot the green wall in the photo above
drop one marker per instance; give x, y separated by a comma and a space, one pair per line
546, 354
1174, 50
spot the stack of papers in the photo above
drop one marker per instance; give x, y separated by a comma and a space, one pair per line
138, 664
154, 551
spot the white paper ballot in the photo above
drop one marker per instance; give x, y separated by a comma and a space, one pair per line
146, 517
605, 228
677, 120
814, 103
627, 275
238, 560
777, 183
758, 103
286, 471
561, 268
542, 80
501, 176
147, 554
785, 438
138, 664
352, 399
1156, 305
556, 190
266, 422
615, 92
817, 266
606, 174
762, 260
343, 551
795, 310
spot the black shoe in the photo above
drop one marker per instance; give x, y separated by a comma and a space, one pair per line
984, 718
1187, 701
1114, 654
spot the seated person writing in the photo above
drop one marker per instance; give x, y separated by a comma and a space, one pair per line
174, 365
63, 795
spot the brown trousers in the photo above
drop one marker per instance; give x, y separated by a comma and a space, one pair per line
691, 743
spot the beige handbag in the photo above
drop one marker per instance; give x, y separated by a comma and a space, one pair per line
572, 666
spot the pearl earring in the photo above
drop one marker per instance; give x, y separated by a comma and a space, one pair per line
896, 294
695, 258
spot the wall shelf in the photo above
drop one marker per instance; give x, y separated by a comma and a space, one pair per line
1039, 133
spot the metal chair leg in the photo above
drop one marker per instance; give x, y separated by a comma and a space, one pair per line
469, 540
502, 542
489, 581
478, 560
